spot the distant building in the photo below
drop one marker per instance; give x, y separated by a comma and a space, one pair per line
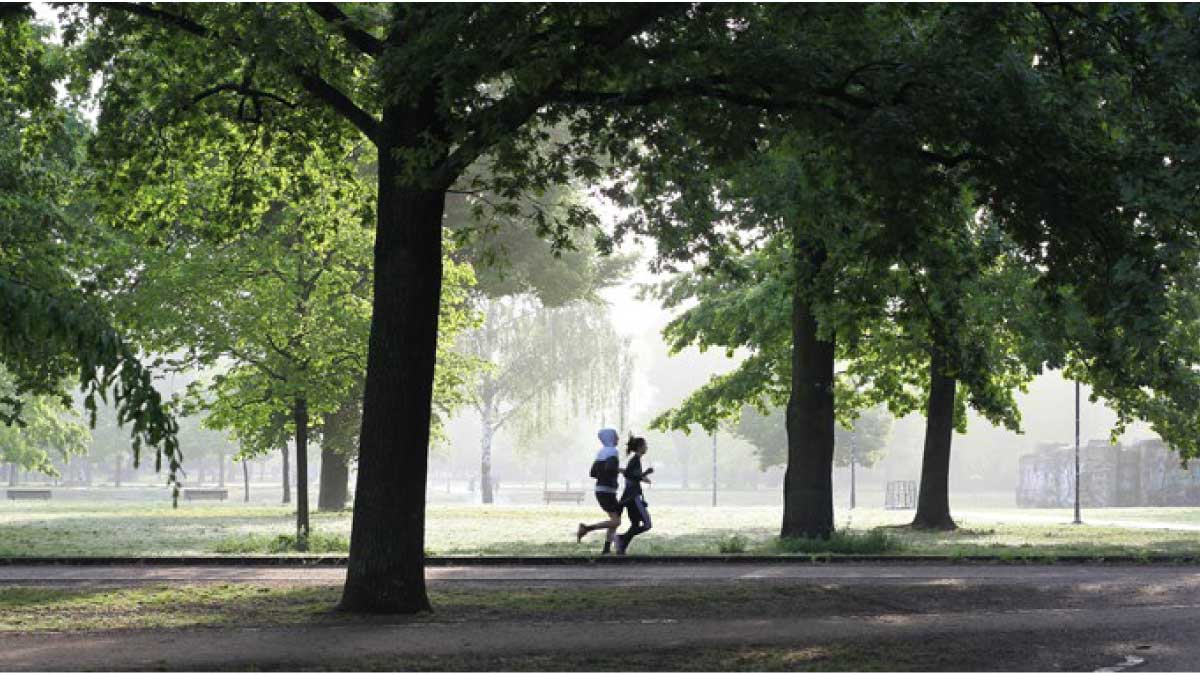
1146, 473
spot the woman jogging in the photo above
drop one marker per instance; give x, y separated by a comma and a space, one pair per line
605, 469
631, 498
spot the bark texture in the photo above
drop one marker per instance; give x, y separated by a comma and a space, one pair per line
933, 500
808, 481
300, 417
287, 477
386, 569
335, 476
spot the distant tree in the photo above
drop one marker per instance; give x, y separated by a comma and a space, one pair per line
47, 431
539, 363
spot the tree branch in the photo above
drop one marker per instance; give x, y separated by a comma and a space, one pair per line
244, 91
341, 104
509, 114
311, 82
359, 38
149, 12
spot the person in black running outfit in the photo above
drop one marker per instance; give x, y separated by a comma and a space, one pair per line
632, 499
605, 470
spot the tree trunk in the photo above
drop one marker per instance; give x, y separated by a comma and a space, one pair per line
245, 481
335, 476
14, 474
300, 415
486, 433
287, 479
933, 501
386, 568
117, 470
808, 481
220, 469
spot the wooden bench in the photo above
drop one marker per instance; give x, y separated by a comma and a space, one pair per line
28, 493
200, 494
563, 496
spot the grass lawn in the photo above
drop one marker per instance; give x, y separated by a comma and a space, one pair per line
133, 529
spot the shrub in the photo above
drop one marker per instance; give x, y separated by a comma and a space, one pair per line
841, 541
318, 542
732, 544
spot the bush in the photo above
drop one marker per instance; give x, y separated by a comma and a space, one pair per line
285, 543
317, 543
841, 541
732, 544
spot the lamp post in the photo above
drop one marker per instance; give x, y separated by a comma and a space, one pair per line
853, 453
1078, 520
714, 469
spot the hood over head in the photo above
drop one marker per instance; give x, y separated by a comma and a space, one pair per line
609, 437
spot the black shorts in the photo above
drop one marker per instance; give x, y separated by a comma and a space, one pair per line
608, 502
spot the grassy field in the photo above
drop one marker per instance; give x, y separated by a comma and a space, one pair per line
131, 529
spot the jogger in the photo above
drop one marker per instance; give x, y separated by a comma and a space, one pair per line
605, 469
632, 499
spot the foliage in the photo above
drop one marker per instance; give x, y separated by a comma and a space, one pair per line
47, 431
51, 334
865, 440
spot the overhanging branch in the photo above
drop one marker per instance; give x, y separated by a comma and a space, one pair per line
361, 39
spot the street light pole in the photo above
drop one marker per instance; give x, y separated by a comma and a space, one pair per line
1078, 520
714, 469
853, 453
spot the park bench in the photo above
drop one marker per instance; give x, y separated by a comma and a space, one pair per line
200, 494
28, 493
563, 496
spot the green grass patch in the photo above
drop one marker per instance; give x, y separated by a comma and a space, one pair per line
734, 543
73, 528
843, 542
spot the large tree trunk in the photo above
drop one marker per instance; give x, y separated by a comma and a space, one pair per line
221, 469
486, 433
300, 415
933, 501
808, 482
14, 474
287, 479
386, 569
335, 476
117, 470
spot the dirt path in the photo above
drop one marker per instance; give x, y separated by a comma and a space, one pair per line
921, 617
296, 648
649, 573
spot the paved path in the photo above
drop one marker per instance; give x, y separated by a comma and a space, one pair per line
1008, 617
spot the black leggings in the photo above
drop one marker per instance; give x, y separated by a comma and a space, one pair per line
639, 519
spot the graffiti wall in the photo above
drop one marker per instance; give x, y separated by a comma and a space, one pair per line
1142, 474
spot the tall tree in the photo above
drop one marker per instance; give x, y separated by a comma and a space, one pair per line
357, 72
